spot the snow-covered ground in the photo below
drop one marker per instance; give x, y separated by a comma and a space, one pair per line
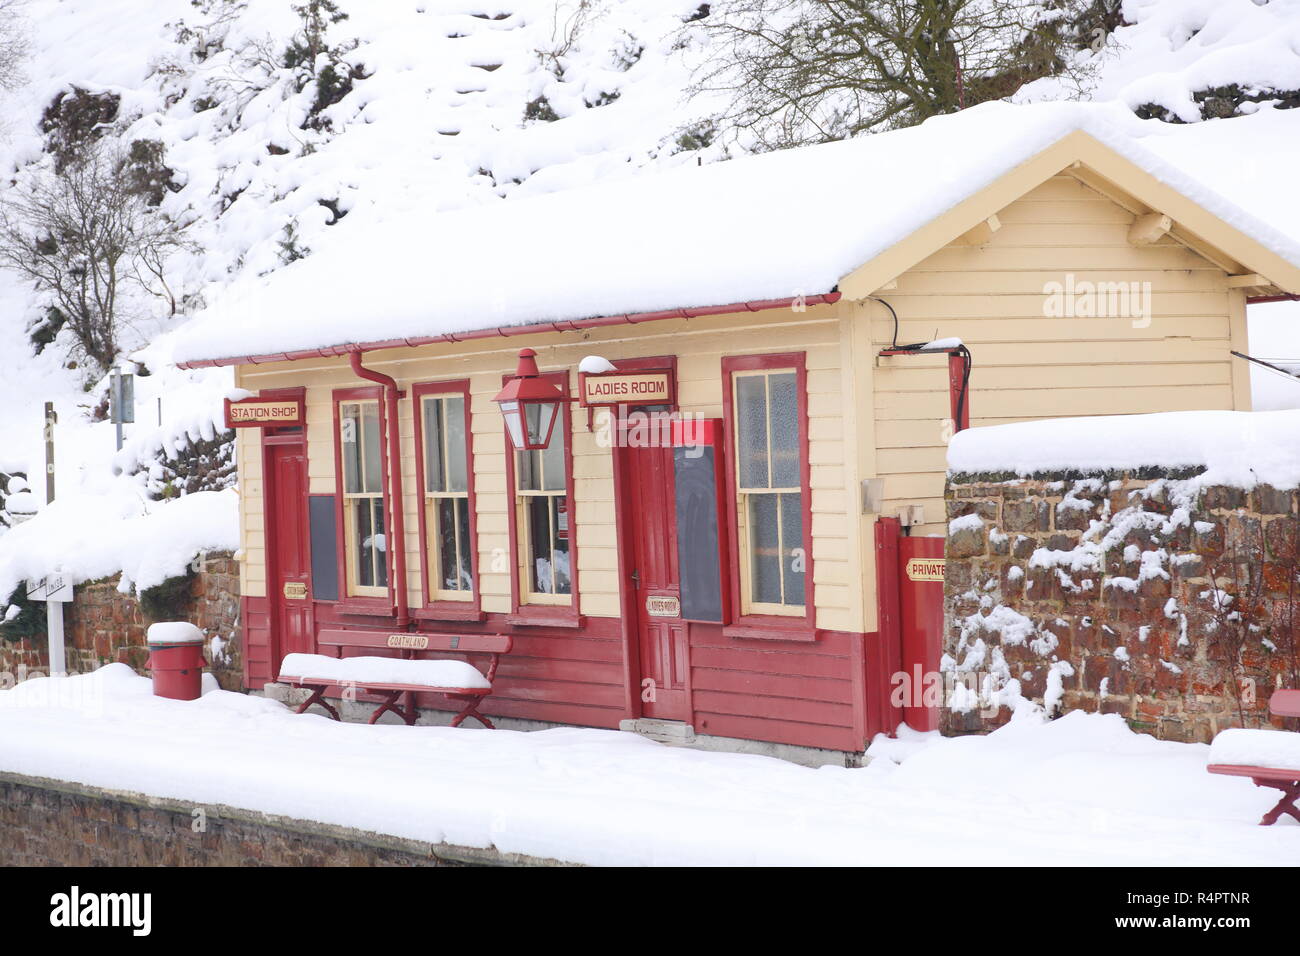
1079, 791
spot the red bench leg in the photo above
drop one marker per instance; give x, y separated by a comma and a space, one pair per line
1290, 793
317, 697
407, 713
471, 710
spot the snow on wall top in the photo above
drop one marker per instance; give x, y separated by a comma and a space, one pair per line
765, 227
1241, 449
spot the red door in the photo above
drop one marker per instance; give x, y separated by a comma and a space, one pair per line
920, 585
288, 547
659, 631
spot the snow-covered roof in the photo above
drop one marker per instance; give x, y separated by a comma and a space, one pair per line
767, 227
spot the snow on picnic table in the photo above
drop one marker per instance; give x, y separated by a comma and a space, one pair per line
1080, 790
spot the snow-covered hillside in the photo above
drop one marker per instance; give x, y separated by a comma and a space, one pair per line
453, 103
461, 102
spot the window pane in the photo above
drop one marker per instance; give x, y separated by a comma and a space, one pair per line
560, 554
783, 410
553, 461
765, 550
350, 446
465, 560
457, 444
370, 439
363, 542
751, 422
793, 564
379, 542
539, 539
448, 570
435, 476
528, 470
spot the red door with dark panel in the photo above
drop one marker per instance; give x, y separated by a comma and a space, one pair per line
288, 548
660, 631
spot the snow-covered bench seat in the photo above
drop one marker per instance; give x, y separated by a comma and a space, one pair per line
394, 677
1271, 758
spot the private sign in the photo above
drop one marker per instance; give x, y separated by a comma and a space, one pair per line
925, 569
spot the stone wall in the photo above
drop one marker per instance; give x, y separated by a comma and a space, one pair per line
54, 823
1151, 596
102, 625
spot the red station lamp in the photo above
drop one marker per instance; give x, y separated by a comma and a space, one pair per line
530, 405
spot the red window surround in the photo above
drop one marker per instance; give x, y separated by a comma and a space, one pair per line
445, 610
543, 615
768, 626
347, 603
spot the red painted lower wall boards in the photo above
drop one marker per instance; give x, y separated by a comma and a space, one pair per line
808, 693
255, 615
792, 693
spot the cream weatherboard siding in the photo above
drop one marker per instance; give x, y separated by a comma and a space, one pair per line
699, 345
1027, 365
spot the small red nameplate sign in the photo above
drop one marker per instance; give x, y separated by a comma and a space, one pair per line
626, 388
263, 412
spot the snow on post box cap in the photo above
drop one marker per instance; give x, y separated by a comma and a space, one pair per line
174, 632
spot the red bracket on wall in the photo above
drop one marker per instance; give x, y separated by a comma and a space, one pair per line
959, 366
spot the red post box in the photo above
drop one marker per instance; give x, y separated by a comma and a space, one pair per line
176, 659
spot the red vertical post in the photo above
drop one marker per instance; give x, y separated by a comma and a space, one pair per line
958, 392
887, 660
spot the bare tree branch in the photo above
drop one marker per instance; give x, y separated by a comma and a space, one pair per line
800, 71
80, 235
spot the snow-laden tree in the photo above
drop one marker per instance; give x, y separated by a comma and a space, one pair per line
802, 71
84, 234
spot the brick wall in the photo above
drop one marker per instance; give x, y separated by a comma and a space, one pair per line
1146, 595
102, 625
53, 823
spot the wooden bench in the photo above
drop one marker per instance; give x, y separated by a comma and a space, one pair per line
1284, 703
403, 676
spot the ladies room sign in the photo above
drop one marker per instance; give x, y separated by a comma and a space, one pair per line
626, 388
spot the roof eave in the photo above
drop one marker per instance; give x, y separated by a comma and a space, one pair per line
507, 331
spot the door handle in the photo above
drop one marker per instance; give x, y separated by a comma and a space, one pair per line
636, 578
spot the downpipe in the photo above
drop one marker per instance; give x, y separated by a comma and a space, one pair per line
397, 503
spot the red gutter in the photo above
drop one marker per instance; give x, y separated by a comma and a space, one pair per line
566, 325
396, 516
1285, 297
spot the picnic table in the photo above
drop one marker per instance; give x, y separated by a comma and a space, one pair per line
1270, 758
